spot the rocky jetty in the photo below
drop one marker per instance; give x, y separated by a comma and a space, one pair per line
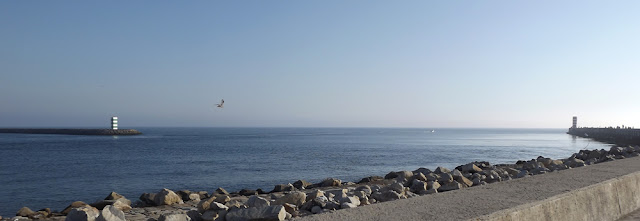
71, 131
303, 198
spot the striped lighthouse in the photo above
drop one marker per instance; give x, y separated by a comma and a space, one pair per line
114, 123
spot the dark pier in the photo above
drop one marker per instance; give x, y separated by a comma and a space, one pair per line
71, 131
614, 135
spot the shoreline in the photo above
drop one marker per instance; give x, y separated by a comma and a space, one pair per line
302, 199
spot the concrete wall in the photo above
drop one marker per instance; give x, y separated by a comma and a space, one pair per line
609, 200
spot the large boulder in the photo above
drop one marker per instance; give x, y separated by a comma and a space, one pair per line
464, 181
210, 204
301, 184
256, 201
370, 179
445, 178
386, 196
573, 162
441, 170
330, 182
148, 199
270, 213
73, 205
84, 213
174, 217
121, 203
418, 186
247, 192
365, 188
469, 168
315, 194
296, 198
24, 211
283, 187
450, 186
167, 197
110, 213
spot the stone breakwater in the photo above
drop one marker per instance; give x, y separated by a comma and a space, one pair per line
72, 131
302, 198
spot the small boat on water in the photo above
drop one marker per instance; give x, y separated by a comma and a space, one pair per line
432, 131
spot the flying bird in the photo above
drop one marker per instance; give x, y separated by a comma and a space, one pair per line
221, 104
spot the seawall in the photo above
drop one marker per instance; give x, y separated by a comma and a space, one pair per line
71, 131
609, 135
605, 191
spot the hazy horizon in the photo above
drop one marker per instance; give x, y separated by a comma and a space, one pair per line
371, 64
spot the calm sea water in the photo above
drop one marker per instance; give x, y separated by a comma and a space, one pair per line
41, 171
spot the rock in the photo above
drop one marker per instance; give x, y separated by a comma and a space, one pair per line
441, 170
354, 200
445, 178
296, 198
174, 217
403, 174
370, 179
121, 203
185, 195
464, 181
247, 192
256, 201
530, 165
432, 177
110, 213
194, 215
330, 182
573, 162
314, 194
365, 188
450, 186
456, 173
429, 191
386, 196
148, 198
316, 210
210, 215
283, 187
269, 213
210, 204
167, 197
222, 191
418, 186
290, 208
73, 205
24, 211
422, 170
84, 213
539, 170
469, 168
433, 185
399, 188
301, 184
223, 199
337, 193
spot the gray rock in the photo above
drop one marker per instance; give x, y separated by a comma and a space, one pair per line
347, 205
386, 196
441, 170
399, 188
221, 190
432, 177
450, 186
422, 170
210, 215
418, 186
283, 187
301, 184
330, 182
111, 213
269, 213
222, 199
419, 176
75, 204
365, 188
370, 179
337, 193
296, 198
445, 178
316, 209
433, 185
194, 215
464, 181
354, 200
174, 217
167, 197
84, 213
24, 211
470, 168
256, 201
573, 162
314, 194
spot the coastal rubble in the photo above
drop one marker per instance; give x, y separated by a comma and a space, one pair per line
303, 198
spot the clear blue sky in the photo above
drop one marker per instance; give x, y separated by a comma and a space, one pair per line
323, 63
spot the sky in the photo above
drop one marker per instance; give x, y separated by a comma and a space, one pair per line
426, 64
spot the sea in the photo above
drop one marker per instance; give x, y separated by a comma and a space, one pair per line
51, 171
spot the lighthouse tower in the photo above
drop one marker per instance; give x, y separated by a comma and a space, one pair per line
114, 123
575, 122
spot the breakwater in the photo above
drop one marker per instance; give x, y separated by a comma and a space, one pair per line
71, 131
621, 136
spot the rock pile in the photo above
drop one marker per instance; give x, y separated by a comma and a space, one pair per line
304, 198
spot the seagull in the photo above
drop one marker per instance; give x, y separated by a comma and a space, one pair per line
221, 104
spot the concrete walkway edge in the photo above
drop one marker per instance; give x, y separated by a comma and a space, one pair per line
608, 200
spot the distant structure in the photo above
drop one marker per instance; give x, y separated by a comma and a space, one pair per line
114, 123
575, 122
